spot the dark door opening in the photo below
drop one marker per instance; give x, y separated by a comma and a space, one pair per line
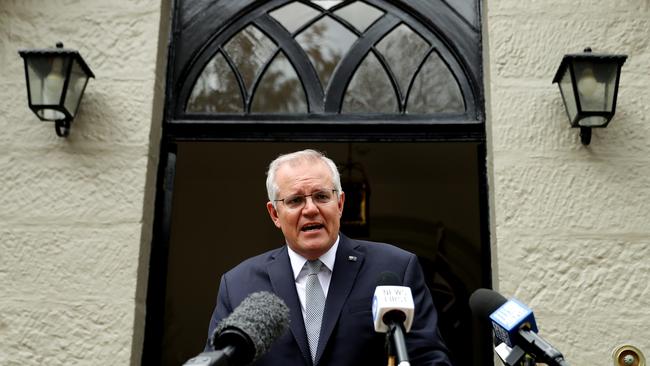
425, 198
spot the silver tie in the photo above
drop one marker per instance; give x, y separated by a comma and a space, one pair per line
314, 305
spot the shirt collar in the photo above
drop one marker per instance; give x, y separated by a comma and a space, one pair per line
298, 261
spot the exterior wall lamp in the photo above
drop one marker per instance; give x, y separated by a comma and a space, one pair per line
589, 84
56, 80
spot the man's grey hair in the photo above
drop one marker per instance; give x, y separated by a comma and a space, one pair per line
308, 155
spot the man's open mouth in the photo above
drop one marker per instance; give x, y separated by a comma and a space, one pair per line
311, 227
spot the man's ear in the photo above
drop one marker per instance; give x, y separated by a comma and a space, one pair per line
273, 213
340, 203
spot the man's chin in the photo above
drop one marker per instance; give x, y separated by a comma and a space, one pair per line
312, 249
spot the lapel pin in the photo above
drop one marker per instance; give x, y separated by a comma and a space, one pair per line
352, 258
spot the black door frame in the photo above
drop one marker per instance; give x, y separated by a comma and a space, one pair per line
290, 128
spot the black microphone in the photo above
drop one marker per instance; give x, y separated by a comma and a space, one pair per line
392, 312
514, 324
247, 333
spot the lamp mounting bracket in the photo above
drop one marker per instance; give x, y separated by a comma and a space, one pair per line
585, 135
62, 127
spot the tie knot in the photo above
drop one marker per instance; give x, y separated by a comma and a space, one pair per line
314, 266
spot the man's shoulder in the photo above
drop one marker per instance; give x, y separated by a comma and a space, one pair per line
379, 248
379, 257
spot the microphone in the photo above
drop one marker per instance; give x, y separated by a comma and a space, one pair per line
514, 325
247, 333
392, 313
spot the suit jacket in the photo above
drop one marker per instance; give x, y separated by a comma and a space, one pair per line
347, 332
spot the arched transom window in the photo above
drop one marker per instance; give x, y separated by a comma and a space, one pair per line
326, 57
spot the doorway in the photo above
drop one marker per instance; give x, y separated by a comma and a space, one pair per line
393, 86
424, 197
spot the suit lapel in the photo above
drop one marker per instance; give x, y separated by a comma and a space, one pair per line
281, 276
346, 266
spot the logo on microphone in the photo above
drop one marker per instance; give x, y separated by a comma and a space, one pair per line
392, 298
374, 307
509, 317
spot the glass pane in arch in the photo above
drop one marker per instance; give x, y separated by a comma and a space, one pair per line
435, 90
326, 4
216, 89
249, 50
279, 90
294, 15
359, 14
404, 50
326, 42
370, 90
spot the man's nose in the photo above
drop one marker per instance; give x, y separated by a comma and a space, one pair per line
310, 206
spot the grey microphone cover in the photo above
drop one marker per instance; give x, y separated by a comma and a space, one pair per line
262, 316
388, 278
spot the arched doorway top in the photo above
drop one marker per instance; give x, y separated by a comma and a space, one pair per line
402, 61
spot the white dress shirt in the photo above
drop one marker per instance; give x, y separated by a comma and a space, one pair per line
300, 271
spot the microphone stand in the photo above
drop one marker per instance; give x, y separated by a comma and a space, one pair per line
389, 350
396, 333
213, 358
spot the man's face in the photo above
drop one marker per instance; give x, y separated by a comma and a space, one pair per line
311, 230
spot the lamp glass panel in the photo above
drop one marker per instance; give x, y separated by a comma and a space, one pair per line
76, 86
46, 79
592, 121
50, 114
566, 88
596, 85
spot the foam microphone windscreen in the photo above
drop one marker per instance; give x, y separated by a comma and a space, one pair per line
388, 279
484, 302
262, 316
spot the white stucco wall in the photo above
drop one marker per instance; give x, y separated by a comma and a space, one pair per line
572, 223
75, 216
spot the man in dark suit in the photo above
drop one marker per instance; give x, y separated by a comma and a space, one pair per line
306, 203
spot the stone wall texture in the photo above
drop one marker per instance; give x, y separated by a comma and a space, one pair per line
570, 224
75, 213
